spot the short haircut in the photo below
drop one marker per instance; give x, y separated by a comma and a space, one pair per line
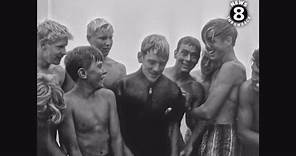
219, 27
97, 24
156, 42
188, 40
81, 57
50, 31
255, 57
50, 102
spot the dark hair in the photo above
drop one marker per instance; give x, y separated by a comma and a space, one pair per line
188, 40
81, 57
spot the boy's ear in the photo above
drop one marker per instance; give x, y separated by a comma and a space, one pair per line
228, 40
82, 73
140, 57
175, 53
43, 44
88, 38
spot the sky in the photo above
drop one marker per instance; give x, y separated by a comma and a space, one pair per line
134, 19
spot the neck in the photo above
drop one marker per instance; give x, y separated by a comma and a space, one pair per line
41, 64
229, 56
179, 75
84, 89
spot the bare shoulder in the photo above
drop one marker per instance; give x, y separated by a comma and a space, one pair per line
57, 69
104, 92
196, 75
114, 63
234, 70
233, 65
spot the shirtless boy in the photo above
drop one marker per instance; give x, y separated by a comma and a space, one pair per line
100, 35
52, 39
220, 107
91, 124
248, 114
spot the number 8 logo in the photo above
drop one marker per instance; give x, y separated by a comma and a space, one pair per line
238, 16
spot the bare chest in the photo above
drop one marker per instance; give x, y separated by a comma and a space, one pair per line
91, 115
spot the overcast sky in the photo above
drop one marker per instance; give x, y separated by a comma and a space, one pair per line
134, 19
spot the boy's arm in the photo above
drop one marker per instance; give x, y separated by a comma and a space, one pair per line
245, 115
200, 125
198, 129
68, 134
116, 139
229, 74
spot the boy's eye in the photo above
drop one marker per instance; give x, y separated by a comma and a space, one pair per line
152, 62
184, 53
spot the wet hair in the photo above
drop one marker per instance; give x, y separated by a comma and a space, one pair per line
255, 57
188, 40
50, 102
50, 31
218, 27
156, 42
81, 57
97, 24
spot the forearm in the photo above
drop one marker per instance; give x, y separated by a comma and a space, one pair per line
198, 129
117, 146
201, 113
249, 137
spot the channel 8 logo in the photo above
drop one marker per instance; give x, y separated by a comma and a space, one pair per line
238, 14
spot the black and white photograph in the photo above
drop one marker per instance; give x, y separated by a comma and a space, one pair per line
147, 78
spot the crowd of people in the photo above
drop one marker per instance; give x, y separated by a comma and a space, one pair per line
92, 107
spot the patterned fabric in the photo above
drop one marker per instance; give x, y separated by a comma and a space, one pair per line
220, 140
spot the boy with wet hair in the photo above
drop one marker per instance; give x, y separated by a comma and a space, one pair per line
150, 105
100, 35
91, 125
187, 55
52, 39
220, 106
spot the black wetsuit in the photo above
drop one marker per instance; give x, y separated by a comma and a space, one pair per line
145, 111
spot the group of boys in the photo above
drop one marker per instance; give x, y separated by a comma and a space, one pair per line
109, 112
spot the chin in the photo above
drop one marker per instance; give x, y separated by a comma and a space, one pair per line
153, 79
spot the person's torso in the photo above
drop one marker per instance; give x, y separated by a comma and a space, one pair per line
227, 113
147, 110
91, 124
